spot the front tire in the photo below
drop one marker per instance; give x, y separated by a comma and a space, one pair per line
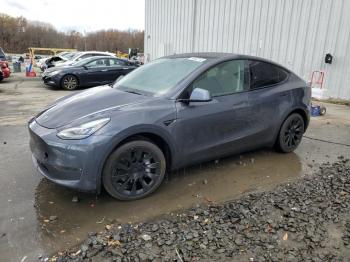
69, 82
134, 170
291, 133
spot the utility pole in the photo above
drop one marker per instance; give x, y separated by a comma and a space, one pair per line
84, 40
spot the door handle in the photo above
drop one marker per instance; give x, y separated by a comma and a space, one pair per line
104, 70
125, 68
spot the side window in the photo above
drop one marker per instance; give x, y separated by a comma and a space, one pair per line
224, 79
98, 63
117, 62
265, 74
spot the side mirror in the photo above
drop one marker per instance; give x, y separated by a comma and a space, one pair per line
85, 67
200, 95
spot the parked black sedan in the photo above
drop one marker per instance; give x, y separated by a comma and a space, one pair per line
94, 71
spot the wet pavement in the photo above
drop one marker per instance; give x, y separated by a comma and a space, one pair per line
27, 201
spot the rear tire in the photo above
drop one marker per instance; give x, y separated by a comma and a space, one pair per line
134, 170
69, 82
291, 133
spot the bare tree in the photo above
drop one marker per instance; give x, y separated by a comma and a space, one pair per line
17, 34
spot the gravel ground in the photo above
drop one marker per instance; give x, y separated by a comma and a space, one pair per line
308, 220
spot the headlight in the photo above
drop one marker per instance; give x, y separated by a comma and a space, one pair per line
54, 73
84, 130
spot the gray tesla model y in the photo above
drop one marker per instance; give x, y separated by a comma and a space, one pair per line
172, 112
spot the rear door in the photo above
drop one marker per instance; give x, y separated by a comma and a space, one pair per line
211, 129
269, 97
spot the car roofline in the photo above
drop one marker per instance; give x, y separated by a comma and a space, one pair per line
213, 59
222, 57
93, 58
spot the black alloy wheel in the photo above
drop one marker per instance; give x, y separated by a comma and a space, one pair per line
291, 133
70, 82
134, 170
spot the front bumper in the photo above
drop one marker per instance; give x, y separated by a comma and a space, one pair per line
72, 163
51, 81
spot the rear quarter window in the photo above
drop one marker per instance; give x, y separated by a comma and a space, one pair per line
265, 74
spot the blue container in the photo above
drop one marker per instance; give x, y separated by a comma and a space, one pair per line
315, 110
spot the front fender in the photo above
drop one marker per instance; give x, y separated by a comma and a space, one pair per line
129, 132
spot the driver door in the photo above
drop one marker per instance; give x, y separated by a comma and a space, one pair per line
205, 130
97, 72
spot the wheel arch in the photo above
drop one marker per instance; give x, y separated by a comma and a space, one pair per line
154, 138
303, 114
297, 110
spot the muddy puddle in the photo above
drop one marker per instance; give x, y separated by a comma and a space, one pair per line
211, 182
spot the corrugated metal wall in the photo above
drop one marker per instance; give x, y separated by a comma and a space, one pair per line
295, 33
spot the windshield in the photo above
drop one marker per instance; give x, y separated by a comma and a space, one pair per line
159, 76
83, 61
65, 54
69, 55
62, 54
74, 56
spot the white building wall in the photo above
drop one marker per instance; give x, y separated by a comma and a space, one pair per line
295, 33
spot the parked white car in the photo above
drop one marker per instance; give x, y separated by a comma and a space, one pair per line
82, 55
51, 61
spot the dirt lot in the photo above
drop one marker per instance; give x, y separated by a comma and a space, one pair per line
307, 220
27, 201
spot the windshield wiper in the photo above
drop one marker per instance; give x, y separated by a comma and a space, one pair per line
132, 92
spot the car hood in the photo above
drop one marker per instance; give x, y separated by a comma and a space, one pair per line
98, 100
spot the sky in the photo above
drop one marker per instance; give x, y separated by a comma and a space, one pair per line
80, 15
